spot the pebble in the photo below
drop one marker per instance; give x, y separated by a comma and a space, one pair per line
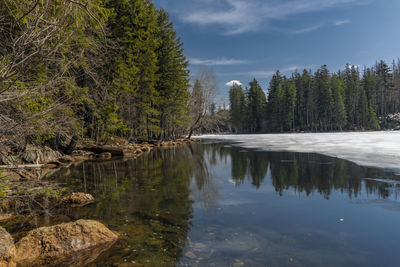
190, 255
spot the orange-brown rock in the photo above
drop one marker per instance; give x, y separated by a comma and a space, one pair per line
74, 243
78, 199
7, 249
5, 216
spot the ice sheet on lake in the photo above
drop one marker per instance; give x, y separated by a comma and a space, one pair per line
373, 149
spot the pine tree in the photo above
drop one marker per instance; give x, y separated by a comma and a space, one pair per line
134, 28
384, 85
173, 78
274, 106
323, 85
352, 91
290, 104
338, 107
256, 107
237, 107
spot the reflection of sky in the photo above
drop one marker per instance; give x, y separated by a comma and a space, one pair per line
258, 226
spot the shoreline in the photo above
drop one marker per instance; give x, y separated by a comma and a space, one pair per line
378, 149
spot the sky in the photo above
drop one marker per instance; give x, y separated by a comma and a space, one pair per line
245, 39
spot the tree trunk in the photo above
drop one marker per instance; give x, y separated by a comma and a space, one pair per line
71, 147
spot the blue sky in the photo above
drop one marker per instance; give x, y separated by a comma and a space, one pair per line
246, 39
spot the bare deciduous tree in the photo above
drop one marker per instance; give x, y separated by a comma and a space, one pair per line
37, 53
203, 93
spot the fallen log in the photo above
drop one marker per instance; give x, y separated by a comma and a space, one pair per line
27, 166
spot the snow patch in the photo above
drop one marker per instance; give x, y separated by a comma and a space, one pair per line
371, 149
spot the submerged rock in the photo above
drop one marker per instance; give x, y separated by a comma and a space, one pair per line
78, 199
7, 249
75, 243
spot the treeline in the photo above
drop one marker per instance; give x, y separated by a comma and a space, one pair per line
92, 68
320, 101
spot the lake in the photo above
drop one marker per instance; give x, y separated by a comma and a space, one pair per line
216, 204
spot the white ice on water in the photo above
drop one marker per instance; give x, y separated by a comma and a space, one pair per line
372, 149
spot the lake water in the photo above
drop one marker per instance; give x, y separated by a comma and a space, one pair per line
214, 204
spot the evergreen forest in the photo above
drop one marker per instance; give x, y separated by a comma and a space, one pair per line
322, 101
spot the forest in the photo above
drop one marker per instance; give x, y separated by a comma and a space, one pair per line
322, 101
100, 68
91, 68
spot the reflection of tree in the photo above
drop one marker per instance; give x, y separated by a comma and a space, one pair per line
206, 192
146, 200
239, 166
305, 173
258, 168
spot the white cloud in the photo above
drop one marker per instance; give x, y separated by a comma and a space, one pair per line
342, 22
239, 16
232, 83
217, 62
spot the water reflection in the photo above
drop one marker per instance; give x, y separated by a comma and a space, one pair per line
304, 173
177, 207
146, 200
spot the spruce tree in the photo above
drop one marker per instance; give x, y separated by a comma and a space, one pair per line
173, 78
237, 107
256, 107
338, 107
134, 29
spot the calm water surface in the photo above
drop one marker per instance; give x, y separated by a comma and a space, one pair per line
219, 205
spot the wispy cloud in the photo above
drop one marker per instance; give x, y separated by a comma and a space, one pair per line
267, 73
342, 22
308, 29
217, 62
239, 16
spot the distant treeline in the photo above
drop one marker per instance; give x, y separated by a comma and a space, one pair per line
320, 101
91, 68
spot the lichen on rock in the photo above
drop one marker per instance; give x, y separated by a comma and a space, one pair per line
77, 242
7, 249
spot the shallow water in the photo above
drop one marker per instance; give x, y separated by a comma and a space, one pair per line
222, 205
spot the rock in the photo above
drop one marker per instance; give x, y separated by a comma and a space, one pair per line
190, 255
118, 141
36, 155
32, 154
78, 199
7, 249
75, 242
83, 153
50, 154
115, 151
146, 148
104, 155
8, 160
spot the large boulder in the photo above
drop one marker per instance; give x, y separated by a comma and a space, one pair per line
36, 155
76, 243
7, 249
